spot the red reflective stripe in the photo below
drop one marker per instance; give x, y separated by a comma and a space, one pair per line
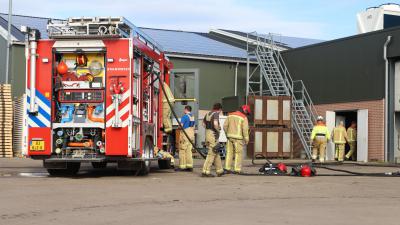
121, 106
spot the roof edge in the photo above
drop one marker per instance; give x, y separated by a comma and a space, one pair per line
343, 39
207, 57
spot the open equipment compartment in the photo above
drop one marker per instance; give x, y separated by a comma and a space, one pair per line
79, 104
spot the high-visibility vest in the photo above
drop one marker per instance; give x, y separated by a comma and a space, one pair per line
320, 131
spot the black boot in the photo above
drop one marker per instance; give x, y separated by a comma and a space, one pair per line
228, 171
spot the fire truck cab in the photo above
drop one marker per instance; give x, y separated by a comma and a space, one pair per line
93, 95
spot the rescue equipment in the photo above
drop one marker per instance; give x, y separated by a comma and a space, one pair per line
62, 68
81, 60
282, 167
304, 170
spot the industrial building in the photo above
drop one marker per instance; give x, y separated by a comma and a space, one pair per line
348, 80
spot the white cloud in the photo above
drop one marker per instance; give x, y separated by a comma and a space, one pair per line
191, 15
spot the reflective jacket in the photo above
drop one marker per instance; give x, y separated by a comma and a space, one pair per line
168, 94
236, 126
351, 134
339, 135
320, 131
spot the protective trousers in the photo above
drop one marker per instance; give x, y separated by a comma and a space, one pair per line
234, 147
166, 117
213, 156
185, 149
352, 145
339, 151
319, 147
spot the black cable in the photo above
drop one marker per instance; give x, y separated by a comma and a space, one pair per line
263, 157
393, 174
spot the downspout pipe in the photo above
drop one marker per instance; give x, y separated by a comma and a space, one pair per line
33, 108
236, 77
386, 124
8, 56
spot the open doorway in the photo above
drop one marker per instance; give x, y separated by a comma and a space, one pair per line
347, 117
361, 118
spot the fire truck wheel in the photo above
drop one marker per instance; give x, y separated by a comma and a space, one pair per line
99, 165
72, 169
164, 164
147, 154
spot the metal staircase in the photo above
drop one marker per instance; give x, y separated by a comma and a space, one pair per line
274, 73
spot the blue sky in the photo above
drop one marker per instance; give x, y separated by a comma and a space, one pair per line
318, 19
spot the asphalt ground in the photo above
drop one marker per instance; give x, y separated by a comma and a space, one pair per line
108, 196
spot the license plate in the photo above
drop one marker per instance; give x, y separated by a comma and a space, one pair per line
37, 146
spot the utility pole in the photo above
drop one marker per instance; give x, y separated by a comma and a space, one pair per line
8, 41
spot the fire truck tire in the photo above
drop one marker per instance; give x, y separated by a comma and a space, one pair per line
164, 164
99, 165
145, 168
148, 153
72, 169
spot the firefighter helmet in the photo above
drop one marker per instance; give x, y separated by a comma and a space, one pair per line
282, 167
246, 109
305, 171
62, 68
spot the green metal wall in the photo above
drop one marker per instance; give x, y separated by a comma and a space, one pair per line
216, 79
3, 53
17, 66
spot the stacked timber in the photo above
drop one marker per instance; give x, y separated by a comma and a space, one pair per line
18, 121
6, 121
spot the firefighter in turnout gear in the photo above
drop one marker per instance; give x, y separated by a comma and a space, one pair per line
166, 113
352, 140
185, 145
319, 136
213, 128
339, 136
236, 127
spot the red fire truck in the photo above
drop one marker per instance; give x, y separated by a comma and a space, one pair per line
93, 95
